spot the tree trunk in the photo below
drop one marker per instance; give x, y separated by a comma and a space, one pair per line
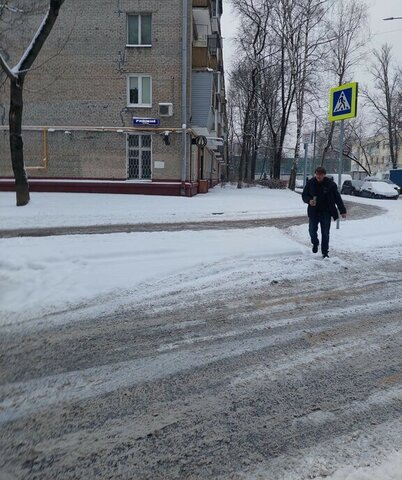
276, 170
240, 178
329, 143
254, 161
247, 163
16, 78
293, 171
16, 143
244, 148
293, 174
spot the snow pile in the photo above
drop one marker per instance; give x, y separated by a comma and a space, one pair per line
59, 272
77, 209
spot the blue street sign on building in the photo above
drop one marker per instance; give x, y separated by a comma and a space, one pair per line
343, 102
145, 121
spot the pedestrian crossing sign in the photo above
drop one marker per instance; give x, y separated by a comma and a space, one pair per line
343, 102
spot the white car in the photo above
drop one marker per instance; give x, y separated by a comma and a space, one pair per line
374, 179
378, 190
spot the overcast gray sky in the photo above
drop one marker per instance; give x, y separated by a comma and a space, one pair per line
382, 31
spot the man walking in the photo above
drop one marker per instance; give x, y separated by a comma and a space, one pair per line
322, 196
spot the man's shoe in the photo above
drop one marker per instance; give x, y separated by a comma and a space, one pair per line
325, 255
315, 248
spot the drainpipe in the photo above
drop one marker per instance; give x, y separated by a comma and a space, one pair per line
184, 98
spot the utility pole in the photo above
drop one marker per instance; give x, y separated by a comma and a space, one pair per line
340, 161
315, 142
184, 96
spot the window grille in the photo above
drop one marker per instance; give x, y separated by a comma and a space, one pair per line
139, 165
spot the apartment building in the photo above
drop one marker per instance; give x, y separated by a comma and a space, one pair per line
375, 154
127, 96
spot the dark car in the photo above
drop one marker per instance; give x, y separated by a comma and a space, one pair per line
352, 187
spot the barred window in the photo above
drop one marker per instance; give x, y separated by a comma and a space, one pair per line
139, 165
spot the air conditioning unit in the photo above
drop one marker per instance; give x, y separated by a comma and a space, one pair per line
166, 109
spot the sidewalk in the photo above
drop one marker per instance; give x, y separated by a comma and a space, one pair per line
356, 211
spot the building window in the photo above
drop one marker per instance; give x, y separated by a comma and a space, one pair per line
139, 91
139, 31
139, 157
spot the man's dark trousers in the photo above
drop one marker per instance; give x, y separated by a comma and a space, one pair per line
324, 219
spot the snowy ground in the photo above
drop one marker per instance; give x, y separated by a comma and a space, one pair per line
67, 209
56, 281
59, 273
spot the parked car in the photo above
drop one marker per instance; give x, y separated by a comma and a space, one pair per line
390, 182
335, 178
378, 189
352, 187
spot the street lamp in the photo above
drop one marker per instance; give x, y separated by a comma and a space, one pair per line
393, 18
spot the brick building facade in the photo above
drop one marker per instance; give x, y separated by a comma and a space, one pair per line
107, 65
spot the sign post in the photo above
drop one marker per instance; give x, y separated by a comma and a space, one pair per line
305, 164
306, 141
340, 162
342, 105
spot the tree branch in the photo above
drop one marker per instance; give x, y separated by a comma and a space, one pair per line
4, 65
43, 32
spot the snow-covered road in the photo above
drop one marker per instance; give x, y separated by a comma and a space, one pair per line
289, 380
210, 354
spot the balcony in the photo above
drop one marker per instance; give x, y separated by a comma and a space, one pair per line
214, 43
202, 3
202, 58
201, 27
215, 24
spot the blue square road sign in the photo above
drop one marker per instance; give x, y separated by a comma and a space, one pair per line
343, 102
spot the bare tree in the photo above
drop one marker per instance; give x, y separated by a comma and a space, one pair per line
283, 43
281, 58
14, 17
356, 136
386, 99
277, 99
16, 76
346, 30
304, 39
245, 86
252, 43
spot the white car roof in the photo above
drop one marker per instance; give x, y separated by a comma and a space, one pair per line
381, 188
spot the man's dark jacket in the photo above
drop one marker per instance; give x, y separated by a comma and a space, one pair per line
329, 190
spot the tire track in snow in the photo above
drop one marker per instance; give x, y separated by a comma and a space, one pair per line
251, 385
